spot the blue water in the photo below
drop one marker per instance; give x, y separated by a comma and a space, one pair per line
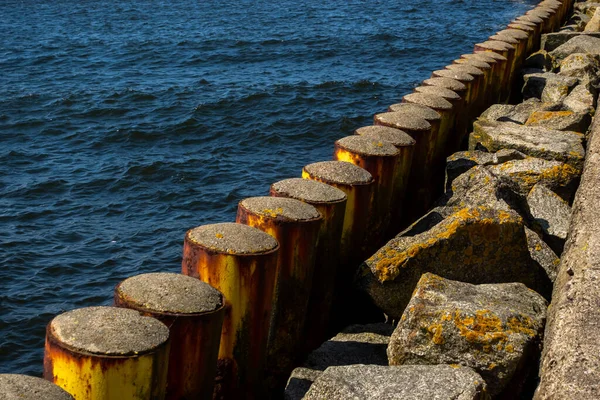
125, 123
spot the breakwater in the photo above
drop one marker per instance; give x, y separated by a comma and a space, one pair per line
294, 224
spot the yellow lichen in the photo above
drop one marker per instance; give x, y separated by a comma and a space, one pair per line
272, 213
219, 235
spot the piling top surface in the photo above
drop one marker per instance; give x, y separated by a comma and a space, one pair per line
166, 292
429, 100
447, 83
457, 75
407, 120
466, 68
516, 33
505, 38
494, 45
525, 22
23, 387
475, 62
392, 135
108, 331
541, 12
281, 208
531, 18
232, 238
435, 90
488, 57
367, 147
312, 192
521, 26
428, 114
339, 172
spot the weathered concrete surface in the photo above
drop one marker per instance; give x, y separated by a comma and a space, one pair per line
565, 120
474, 244
570, 367
462, 161
495, 329
407, 382
551, 41
521, 175
549, 87
584, 43
540, 142
550, 214
357, 344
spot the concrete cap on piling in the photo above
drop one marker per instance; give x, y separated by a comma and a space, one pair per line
447, 83
391, 135
541, 12
457, 75
551, 5
494, 45
477, 63
487, 56
309, 191
108, 331
434, 90
520, 26
432, 101
466, 68
516, 33
367, 147
339, 172
505, 38
166, 292
531, 18
419, 110
525, 22
232, 238
281, 208
23, 387
407, 120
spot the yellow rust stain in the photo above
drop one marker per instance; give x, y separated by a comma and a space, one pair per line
219, 236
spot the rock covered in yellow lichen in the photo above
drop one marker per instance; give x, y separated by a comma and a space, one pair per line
474, 244
522, 175
535, 141
495, 329
565, 120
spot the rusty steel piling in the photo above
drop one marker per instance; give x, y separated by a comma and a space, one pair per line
241, 262
296, 226
380, 159
405, 145
99, 353
331, 204
193, 311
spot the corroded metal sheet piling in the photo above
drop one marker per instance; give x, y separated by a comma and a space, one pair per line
296, 226
358, 185
405, 145
486, 84
331, 203
23, 387
417, 121
506, 70
241, 262
193, 311
101, 353
380, 159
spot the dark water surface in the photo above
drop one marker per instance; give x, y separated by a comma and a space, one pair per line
125, 123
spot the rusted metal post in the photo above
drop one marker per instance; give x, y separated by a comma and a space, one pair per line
23, 387
241, 262
486, 84
506, 67
413, 119
405, 145
529, 31
358, 185
296, 226
100, 353
533, 22
380, 159
331, 204
478, 86
193, 311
